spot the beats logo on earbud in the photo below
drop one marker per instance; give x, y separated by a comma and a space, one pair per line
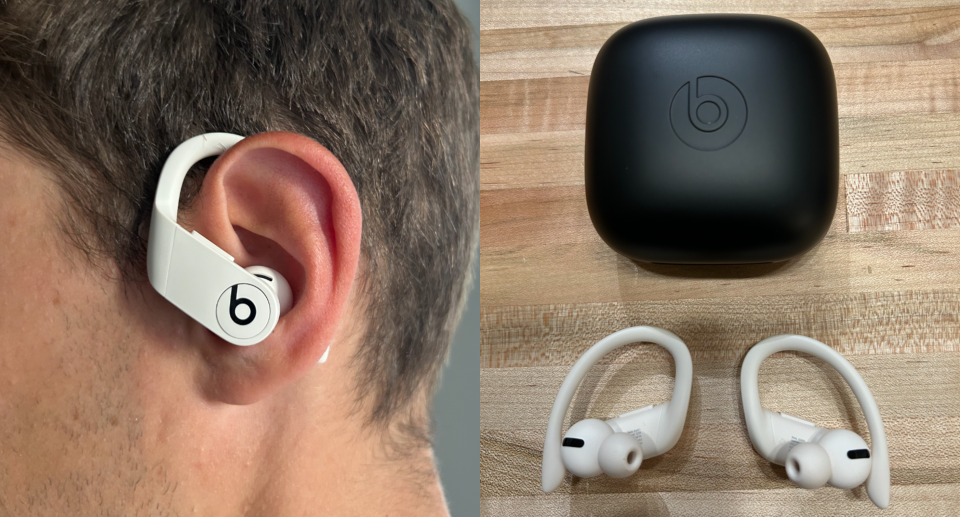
813, 455
237, 307
708, 113
616, 447
242, 306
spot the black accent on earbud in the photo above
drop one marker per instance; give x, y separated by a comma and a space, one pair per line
573, 442
234, 302
265, 277
857, 454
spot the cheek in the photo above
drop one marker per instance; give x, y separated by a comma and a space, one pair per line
54, 339
31, 296
38, 309
39, 313
47, 296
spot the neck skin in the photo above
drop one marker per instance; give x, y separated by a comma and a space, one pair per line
306, 450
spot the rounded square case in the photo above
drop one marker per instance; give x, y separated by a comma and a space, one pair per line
712, 139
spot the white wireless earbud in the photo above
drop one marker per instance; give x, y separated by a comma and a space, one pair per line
616, 447
241, 306
276, 283
813, 455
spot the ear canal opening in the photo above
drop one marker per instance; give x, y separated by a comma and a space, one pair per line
632, 455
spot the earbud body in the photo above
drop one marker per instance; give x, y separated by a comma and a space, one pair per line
591, 447
813, 455
580, 449
617, 446
276, 283
196, 275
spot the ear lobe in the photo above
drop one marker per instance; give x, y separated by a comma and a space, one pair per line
282, 201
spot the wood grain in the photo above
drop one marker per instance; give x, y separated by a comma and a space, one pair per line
867, 144
907, 200
867, 29
559, 103
885, 35
591, 272
504, 14
926, 500
865, 323
883, 287
559, 215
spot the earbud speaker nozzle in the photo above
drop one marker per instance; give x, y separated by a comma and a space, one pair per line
808, 465
620, 455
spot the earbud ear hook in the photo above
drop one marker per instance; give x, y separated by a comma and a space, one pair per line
241, 306
773, 434
615, 448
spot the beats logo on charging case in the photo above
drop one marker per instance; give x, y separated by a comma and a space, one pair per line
712, 139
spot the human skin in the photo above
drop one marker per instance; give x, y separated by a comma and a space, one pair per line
113, 402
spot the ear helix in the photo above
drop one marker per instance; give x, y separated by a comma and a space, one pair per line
813, 455
617, 446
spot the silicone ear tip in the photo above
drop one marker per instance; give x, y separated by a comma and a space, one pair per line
808, 465
620, 455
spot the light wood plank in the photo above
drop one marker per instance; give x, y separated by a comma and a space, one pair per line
850, 36
844, 262
508, 14
533, 105
793, 383
711, 458
855, 323
936, 28
867, 145
863, 90
910, 500
908, 200
905, 200
557, 215
518, 160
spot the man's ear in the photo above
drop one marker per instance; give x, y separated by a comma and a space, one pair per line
283, 201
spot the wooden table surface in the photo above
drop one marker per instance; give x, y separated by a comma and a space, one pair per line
883, 287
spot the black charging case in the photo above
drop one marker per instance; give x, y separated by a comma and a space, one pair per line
712, 139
